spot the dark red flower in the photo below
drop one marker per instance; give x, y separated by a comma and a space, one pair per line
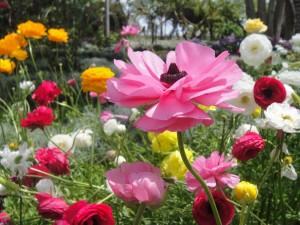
4, 5
46, 93
60, 222
49, 207
203, 213
268, 90
33, 176
93, 214
39, 118
71, 82
53, 159
248, 146
4, 218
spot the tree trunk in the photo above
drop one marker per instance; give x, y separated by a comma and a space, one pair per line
250, 9
261, 10
278, 19
290, 12
270, 18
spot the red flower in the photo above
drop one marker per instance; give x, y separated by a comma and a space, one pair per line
71, 82
60, 222
39, 118
54, 159
46, 93
4, 5
268, 90
49, 207
32, 176
93, 214
248, 146
4, 218
203, 214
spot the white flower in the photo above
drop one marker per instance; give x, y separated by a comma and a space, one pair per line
281, 49
27, 86
108, 188
112, 126
284, 150
62, 141
3, 190
83, 138
16, 161
289, 92
290, 77
134, 114
243, 129
255, 49
285, 65
296, 39
289, 172
46, 185
119, 160
282, 116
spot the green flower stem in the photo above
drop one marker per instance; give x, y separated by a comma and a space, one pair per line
32, 58
21, 209
242, 216
139, 213
196, 175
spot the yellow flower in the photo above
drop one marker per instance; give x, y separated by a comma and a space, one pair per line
94, 79
19, 54
288, 160
256, 112
32, 29
245, 192
7, 66
163, 142
57, 35
10, 43
255, 26
13, 145
173, 166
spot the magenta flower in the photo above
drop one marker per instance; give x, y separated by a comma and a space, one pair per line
130, 30
137, 182
171, 91
212, 171
124, 43
107, 115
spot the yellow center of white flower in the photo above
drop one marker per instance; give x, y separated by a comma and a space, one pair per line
254, 48
245, 99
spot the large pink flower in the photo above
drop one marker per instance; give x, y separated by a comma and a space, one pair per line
212, 171
171, 91
130, 30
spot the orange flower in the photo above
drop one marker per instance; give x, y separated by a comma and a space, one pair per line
7, 66
94, 79
32, 29
57, 35
11, 42
19, 54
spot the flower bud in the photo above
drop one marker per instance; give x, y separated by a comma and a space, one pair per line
245, 192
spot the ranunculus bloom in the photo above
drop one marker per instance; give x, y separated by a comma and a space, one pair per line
81, 213
49, 207
11, 42
94, 79
19, 54
268, 90
4, 4
57, 35
4, 218
71, 82
46, 93
212, 172
163, 142
203, 214
255, 26
137, 182
107, 115
32, 29
130, 30
245, 192
38, 118
54, 159
173, 90
248, 146
7, 66
124, 43
33, 176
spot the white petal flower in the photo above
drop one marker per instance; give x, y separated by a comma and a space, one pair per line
62, 141
255, 49
83, 138
284, 150
282, 116
290, 77
112, 126
27, 86
289, 92
243, 129
135, 113
16, 161
119, 160
46, 185
296, 39
289, 172
3, 190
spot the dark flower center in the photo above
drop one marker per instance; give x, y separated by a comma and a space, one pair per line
172, 75
268, 93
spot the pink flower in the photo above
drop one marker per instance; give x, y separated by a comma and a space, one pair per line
82, 213
171, 91
4, 4
137, 182
46, 93
124, 43
212, 171
103, 97
4, 218
53, 159
130, 30
248, 146
49, 207
107, 115
71, 82
33, 176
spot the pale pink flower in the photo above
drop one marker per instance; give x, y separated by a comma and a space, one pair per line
137, 182
107, 115
212, 171
124, 43
103, 98
172, 91
130, 30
